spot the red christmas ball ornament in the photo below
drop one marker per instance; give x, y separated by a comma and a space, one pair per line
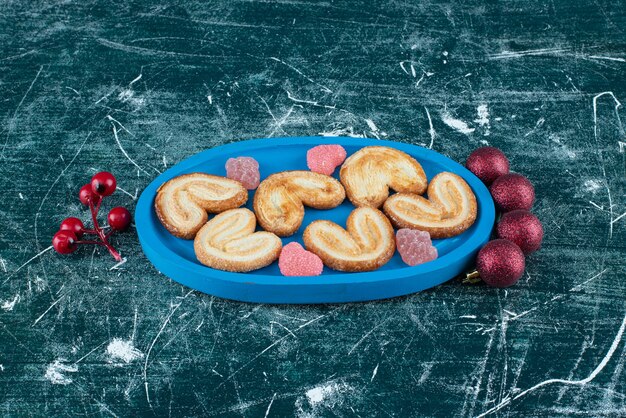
522, 228
500, 263
512, 191
487, 163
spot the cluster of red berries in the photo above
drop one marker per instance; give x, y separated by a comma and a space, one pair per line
67, 239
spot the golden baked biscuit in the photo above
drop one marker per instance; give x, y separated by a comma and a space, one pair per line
228, 242
367, 243
449, 210
279, 201
182, 203
369, 173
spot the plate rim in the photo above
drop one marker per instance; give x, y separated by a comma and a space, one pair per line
148, 237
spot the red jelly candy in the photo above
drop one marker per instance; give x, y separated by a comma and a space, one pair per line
324, 159
294, 260
244, 170
415, 247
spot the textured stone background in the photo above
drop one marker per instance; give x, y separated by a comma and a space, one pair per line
542, 82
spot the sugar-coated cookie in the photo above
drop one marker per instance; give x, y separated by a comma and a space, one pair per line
183, 202
369, 173
367, 243
280, 199
228, 242
448, 211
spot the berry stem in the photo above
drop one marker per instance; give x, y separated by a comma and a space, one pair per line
104, 237
90, 242
112, 250
94, 213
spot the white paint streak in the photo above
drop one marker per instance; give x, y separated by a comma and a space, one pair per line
618, 218
47, 310
374, 373
123, 350
367, 334
267, 411
347, 131
431, 129
324, 88
483, 118
117, 265
11, 123
119, 145
591, 186
269, 347
136, 79
538, 125
39, 254
598, 57
595, 134
529, 52
8, 305
145, 365
371, 125
134, 197
320, 393
456, 124
55, 373
311, 102
581, 382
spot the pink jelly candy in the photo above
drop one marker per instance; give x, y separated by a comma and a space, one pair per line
294, 260
415, 247
324, 159
244, 170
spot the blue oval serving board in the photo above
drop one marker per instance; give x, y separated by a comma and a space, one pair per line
175, 257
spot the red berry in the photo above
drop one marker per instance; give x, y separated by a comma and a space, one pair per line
103, 183
85, 195
119, 218
74, 225
64, 242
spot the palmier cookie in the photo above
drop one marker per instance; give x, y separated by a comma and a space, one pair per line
279, 201
369, 173
182, 203
228, 242
367, 243
449, 210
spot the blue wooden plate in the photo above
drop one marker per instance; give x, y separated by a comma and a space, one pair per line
175, 257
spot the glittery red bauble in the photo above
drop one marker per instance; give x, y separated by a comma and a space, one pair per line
487, 163
512, 191
522, 228
500, 263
